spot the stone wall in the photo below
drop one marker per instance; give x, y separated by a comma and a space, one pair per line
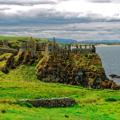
84, 49
54, 102
54, 48
5, 43
1, 43
23, 46
32, 46
9, 50
40, 46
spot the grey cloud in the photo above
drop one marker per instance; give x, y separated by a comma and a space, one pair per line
100, 1
104, 1
82, 31
30, 2
26, 3
4, 9
44, 23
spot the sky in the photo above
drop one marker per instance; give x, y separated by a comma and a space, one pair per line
66, 19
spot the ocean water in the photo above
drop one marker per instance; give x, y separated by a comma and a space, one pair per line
110, 57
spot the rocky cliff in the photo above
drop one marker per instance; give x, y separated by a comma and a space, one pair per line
9, 60
75, 69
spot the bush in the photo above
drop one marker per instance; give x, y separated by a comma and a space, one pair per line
25, 104
110, 99
3, 111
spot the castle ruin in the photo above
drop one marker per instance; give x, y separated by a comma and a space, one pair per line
50, 48
54, 48
4, 48
32, 46
5, 43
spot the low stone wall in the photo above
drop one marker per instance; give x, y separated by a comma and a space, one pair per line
9, 50
54, 102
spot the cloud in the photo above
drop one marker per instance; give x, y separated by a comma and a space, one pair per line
78, 31
3, 9
100, 1
73, 19
27, 3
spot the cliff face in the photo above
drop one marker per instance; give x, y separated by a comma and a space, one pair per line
75, 69
8, 60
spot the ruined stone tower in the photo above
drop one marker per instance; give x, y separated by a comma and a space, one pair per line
31, 46
5, 43
52, 48
54, 42
23, 46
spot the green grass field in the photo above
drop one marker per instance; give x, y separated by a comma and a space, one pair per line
22, 83
15, 40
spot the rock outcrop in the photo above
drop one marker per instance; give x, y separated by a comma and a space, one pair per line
75, 69
12, 61
114, 76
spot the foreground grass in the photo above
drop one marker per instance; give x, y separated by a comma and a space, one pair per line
22, 83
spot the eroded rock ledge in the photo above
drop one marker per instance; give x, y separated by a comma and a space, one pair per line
54, 102
75, 69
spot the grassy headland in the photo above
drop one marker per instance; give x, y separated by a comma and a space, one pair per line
22, 83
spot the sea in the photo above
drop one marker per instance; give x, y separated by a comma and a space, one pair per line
110, 57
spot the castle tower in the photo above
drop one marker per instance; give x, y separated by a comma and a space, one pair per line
69, 47
23, 46
76, 46
93, 49
80, 47
54, 42
31, 46
65, 47
5, 43
89, 46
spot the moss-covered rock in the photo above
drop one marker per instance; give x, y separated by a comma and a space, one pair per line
8, 60
74, 69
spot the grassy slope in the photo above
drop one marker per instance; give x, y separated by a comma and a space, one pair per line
21, 83
15, 40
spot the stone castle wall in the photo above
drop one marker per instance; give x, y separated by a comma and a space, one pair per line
5, 48
9, 50
1, 42
32, 46
5, 43
54, 48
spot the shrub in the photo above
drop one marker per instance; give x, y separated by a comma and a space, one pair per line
3, 111
110, 99
66, 116
25, 104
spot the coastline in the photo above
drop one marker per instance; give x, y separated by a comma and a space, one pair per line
104, 45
